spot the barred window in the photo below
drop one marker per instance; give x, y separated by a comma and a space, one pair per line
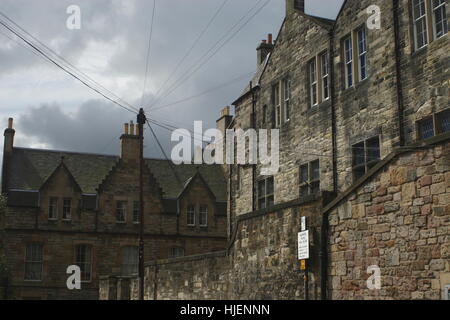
33, 262
443, 121
426, 128
130, 260
83, 259
438, 123
176, 252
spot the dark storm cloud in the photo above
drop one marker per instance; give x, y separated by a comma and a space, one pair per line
122, 26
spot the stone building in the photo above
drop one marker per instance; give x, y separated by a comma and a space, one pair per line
362, 105
67, 208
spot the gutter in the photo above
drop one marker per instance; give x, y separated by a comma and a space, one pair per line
400, 107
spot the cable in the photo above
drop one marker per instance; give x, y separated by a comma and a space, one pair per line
148, 52
64, 68
200, 63
205, 92
191, 48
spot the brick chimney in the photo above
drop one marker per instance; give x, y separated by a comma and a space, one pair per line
7, 153
264, 49
292, 5
129, 148
224, 121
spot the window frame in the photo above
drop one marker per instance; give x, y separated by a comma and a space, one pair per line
444, 19
89, 263
415, 21
313, 83
363, 53
124, 210
309, 182
365, 164
174, 255
55, 207
348, 63
325, 75
29, 261
136, 212
131, 268
276, 101
286, 99
64, 216
200, 212
188, 212
265, 196
420, 131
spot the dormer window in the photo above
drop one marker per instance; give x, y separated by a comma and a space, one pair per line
53, 209
67, 209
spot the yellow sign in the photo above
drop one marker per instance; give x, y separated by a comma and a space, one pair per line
302, 264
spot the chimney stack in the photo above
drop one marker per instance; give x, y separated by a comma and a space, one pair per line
264, 49
293, 5
129, 148
9, 137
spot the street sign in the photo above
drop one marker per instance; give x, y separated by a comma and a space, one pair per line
303, 245
303, 224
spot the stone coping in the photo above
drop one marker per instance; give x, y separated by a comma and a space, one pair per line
211, 255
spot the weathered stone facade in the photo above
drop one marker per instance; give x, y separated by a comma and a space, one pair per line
95, 185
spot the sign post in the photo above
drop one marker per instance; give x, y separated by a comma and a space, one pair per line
303, 253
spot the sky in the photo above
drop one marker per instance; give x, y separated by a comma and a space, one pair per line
52, 110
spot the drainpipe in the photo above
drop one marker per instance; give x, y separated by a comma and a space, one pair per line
324, 226
253, 126
401, 127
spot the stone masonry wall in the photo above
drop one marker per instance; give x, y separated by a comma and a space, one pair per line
398, 220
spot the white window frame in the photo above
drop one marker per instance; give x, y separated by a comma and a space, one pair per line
313, 83
416, 21
287, 98
188, 213
130, 262
136, 212
55, 208
348, 52
66, 217
203, 212
277, 103
363, 53
324, 73
444, 21
88, 262
30, 260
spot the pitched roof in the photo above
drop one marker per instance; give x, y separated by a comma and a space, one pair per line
30, 168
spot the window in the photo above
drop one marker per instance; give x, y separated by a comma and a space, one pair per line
436, 124
67, 207
121, 211
130, 260
324, 75
366, 154
313, 82
136, 212
83, 259
440, 26
348, 59
33, 262
426, 128
362, 53
203, 218
310, 178
53, 209
420, 23
176, 252
276, 103
443, 121
191, 216
287, 97
265, 193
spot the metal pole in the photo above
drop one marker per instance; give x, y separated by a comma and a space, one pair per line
141, 119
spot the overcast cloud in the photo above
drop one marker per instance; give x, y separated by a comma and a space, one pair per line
52, 110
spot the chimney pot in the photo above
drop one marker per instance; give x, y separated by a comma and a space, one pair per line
269, 38
126, 126
132, 128
10, 123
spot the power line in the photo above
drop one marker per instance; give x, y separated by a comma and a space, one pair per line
205, 92
205, 58
64, 68
148, 52
199, 37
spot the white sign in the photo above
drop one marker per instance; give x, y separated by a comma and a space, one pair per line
303, 245
303, 227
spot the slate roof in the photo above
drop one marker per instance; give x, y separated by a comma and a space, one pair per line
30, 168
